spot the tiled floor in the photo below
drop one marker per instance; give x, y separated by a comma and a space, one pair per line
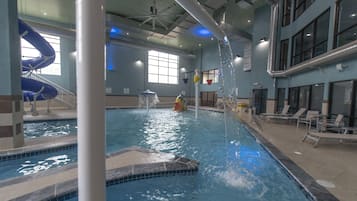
333, 165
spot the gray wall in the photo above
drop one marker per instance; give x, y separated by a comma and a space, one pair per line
126, 74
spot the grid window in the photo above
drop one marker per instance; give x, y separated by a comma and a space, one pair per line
346, 25
30, 52
210, 75
286, 12
301, 6
163, 67
284, 47
311, 41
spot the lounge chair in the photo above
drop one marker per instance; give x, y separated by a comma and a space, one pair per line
318, 136
296, 116
332, 124
310, 115
284, 112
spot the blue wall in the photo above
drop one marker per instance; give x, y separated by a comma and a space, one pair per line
10, 67
68, 65
245, 80
126, 74
324, 74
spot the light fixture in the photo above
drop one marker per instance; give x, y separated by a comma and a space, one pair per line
139, 63
73, 54
199, 44
180, 46
212, 38
115, 30
183, 69
237, 58
264, 39
127, 33
201, 31
249, 21
308, 34
353, 15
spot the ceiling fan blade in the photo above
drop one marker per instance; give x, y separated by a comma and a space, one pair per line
147, 20
139, 16
159, 21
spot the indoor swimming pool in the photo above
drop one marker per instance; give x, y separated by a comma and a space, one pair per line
50, 128
232, 165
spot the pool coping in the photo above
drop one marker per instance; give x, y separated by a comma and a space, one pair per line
306, 182
59, 191
54, 142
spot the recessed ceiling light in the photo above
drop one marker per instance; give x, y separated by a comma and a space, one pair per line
180, 45
201, 31
199, 44
212, 38
353, 15
308, 34
44, 13
115, 30
249, 21
264, 39
127, 33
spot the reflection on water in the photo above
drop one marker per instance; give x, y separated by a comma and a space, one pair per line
163, 132
50, 128
29, 167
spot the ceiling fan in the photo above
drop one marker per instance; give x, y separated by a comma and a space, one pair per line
155, 16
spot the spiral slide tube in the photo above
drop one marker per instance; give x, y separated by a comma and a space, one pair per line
33, 89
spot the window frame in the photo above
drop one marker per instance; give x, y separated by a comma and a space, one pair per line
163, 63
286, 16
298, 6
302, 51
283, 58
49, 38
211, 73
337, 23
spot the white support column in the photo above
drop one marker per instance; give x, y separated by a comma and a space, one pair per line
90, 22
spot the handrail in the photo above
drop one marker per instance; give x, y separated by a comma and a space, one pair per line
62, 92
39, 77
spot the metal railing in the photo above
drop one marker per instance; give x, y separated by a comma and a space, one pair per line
64, 96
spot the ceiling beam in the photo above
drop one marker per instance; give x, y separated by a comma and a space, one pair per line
148, 46
116, 18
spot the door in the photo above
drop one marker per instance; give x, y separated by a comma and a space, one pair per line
208, 98
260, 100
341, 100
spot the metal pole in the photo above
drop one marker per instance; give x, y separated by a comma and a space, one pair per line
90, 35
196, 100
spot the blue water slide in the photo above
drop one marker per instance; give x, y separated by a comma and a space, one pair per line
34, 88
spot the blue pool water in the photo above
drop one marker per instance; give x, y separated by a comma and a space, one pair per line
50, 128
36, 163
232, 166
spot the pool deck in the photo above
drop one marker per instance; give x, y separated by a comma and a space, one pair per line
333, 165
